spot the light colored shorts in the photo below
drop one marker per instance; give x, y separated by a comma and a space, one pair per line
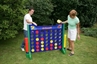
72, 33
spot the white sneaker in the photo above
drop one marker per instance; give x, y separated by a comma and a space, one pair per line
22, 49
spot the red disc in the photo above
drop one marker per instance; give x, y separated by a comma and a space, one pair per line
37, 31
51, 48
46, 48
37, 47
37, 43
51, 45
42, 38
37, 50
60, 46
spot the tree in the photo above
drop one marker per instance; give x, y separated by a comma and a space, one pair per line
46, 13
86, 10
11, 17
43, 9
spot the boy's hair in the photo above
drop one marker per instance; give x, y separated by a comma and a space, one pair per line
31, 8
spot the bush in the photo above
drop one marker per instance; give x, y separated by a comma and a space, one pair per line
90, 32
43, 9
11, 18
86, 10
46, 13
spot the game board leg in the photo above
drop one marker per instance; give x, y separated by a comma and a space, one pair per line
63, 50
28, 55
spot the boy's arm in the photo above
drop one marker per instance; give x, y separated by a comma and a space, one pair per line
64, 22
28, 21
31, 22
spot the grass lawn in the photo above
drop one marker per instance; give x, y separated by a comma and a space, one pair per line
85, 53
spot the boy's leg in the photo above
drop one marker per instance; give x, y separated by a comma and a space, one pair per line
22, 46
23, 43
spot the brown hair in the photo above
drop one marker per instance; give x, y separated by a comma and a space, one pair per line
31, 8
73, 13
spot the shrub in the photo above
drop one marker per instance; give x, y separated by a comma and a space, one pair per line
43, 9
11, 17
90, 32
86, 10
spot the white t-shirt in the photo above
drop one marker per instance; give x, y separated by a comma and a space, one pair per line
27, 17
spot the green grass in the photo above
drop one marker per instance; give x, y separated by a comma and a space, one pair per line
85, 53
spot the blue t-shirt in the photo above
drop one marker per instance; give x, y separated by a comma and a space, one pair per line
72, 22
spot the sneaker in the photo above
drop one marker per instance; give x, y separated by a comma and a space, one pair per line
22, 49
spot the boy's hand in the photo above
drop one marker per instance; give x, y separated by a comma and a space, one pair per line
34, 23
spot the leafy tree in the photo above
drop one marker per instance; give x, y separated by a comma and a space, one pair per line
11, 17
86, 10
46, 13
43, 9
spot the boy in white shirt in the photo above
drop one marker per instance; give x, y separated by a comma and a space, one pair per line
27, 21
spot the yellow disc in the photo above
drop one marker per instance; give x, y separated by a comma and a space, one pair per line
37, 39
33, 50
55, 44
55, 47
42, 49
42, 42
32, 27
42, 45
59, 21
51, 41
